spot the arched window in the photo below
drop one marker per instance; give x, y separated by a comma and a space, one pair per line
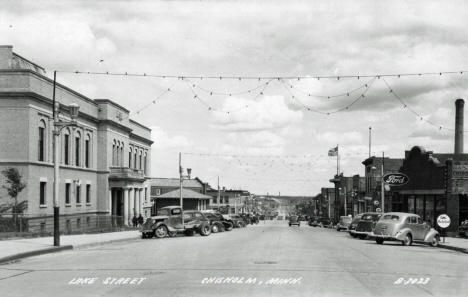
130, 158
144, 163
41, 141
113, 153
66, 146
87, 151
117, 153
122, 155
141, 159
77, 148
135, 159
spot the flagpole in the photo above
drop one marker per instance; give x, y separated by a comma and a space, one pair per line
337, 161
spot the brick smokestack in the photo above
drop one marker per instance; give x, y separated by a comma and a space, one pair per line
459, 104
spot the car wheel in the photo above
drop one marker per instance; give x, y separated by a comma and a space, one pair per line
204, 229
354, 235
172, 233
298, 225
338, 229
229, 227
435, 241
239, 225
143, 235
408, 240
214, 228
289, 225
362, 236
161, 231
379, 240
189, 233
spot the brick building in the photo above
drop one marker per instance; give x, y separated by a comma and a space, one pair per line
104, 163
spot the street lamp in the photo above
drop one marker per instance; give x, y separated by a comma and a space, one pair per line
182, 177
58, 126
382, 190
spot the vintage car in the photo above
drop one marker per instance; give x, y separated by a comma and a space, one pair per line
228, 225
235, 219
344, 223
463, 229
215, 222
313, 221
321, 222
404, 227
246, 218
366, 224
168, 221
294, 220
279, 218
352, 226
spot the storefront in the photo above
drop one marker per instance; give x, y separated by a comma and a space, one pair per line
438, 184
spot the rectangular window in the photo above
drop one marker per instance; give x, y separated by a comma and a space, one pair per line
215, 199
78, 224
130, 160
69, 225
88, 193
78, 195
77, 151
41, 144
67, 193
226, 199
42, 227
87, 153
42, 191
88, 222
65, 148
135, 161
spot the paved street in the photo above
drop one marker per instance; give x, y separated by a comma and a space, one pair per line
244, 262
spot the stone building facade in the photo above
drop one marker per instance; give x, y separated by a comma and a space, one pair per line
104, 163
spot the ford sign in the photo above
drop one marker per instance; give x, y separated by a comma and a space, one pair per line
395, 179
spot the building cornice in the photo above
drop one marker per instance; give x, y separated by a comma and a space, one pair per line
140, 138
139, 125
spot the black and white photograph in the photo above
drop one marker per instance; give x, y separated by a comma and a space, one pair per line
233, 148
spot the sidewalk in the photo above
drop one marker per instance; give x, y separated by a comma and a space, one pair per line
12, 250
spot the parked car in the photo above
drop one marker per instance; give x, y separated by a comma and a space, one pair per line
352, 226
463, 229
228, 225
294, 220
279, 218
235, 219
325, 223
344, 223
168, 221
366, 224
262, 217
404, 227
246, 218
314, 221
215, 222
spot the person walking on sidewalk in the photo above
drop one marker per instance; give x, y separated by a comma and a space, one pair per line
135, 222
140, 220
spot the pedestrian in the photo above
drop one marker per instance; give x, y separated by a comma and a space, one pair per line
140, 220
135, 222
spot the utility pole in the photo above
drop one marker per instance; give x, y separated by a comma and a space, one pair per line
383, 187
219, 197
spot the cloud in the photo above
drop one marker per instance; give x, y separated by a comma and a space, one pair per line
332, 138
268, 113
163, 141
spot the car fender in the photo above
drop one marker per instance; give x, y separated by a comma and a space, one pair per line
402, 233
430, 235
157, 224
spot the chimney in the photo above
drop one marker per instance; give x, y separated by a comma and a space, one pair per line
6, 54
459, 104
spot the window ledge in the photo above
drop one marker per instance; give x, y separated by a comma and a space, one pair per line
43, 206
67, 205
88, 204
78, 204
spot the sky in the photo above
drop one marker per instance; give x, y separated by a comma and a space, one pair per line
255, 86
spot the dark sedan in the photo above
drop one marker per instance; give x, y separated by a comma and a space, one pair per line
352, 227
367, 223
294, 220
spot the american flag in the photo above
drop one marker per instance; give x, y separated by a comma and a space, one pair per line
333, 152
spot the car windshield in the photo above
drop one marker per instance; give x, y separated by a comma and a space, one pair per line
356, 219
346, 220
293, 217
390, 217
198, 215
370, 217
163, 212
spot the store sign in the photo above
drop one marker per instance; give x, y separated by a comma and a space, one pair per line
395, 179
460, 169
443, 221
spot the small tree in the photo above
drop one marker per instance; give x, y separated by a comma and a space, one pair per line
14, 187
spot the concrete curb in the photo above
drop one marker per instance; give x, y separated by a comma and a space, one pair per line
54, 249
91, 244
453, 248
35, 253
